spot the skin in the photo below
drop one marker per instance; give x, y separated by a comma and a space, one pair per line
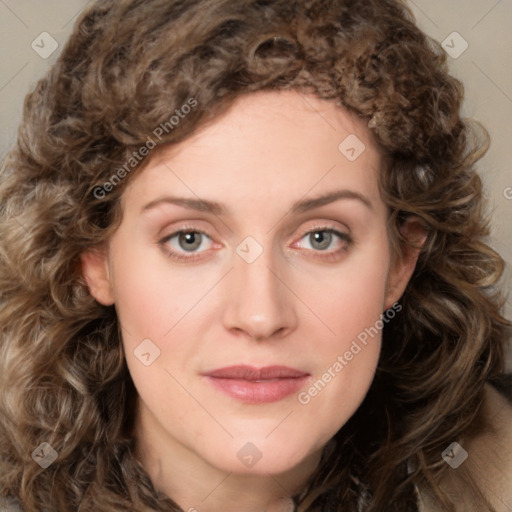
299, 304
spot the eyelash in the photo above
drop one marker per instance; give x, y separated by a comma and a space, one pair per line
329, 256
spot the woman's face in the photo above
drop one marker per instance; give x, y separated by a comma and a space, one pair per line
253, 338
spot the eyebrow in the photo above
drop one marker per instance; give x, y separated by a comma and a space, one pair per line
301, 206
309, 204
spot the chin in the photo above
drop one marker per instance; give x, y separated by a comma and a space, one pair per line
263, 456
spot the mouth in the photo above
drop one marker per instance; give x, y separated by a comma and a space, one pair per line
257, 385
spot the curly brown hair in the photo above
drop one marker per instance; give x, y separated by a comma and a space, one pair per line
127, 67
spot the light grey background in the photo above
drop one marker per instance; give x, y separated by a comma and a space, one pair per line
485, 67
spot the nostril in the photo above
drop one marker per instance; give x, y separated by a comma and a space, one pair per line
276, 334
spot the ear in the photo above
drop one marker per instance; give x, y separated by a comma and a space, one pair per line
415, 233
95, 271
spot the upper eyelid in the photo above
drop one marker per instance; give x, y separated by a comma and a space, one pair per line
186, 230
346, 237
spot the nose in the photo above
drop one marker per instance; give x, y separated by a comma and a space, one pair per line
260, 306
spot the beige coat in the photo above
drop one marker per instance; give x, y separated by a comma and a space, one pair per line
489, 462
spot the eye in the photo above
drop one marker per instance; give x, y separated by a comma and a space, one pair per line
178, 244
325, 240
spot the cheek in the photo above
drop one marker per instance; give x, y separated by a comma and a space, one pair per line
158, 306
351, 297
150, 298
152, 304
351, 303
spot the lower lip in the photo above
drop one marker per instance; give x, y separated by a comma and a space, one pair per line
252, 392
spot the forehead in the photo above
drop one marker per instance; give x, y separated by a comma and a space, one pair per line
267, 146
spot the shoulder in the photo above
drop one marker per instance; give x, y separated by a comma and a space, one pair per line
488, 463
491, 452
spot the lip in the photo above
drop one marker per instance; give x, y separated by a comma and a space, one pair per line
253, 385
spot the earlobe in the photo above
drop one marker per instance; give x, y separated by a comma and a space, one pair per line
401, 271
94, 263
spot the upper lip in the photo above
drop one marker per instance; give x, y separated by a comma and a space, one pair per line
251, 373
